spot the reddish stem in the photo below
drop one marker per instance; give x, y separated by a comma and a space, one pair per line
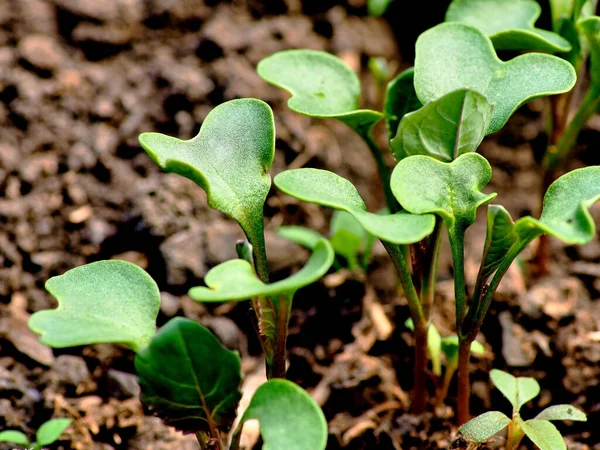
464, 386
419, 399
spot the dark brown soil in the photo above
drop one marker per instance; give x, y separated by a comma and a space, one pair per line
79, 81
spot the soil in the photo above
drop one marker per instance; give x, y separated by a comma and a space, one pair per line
81, 79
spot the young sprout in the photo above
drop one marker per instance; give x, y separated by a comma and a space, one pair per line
47, 434
540, 430
187, 377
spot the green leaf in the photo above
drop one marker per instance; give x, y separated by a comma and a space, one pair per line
14, 437
483, 427
188, 378
518, 390
102, 302
321, 84
434, 345
591, 29
451, 190
449, 346
229, 158
510, 24
543, 434
289, 418
348, 237
377, 8
50, 431
562, 412
400, 99
328, 189
300, 235
236, 280
499, 238
453, 56
565, 212
445, 128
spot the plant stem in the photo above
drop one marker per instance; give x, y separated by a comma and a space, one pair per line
419, 394
260, 256
464, 385
382, 168
442, 391
201, 440
457, 244
282, 316
430, 264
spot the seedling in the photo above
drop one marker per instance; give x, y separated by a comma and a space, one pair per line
540, 430
187, 377
47, 434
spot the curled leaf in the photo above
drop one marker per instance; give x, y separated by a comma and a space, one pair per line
328, 189
236, 280
510, 24
453, 56
188, 378
102, 302
445, 128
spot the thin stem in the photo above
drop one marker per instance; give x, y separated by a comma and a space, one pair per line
382, 168
464, 385
282, 310
398, 256
201, 440
419, 399
457, 245
442, 391
260, 256
430, 264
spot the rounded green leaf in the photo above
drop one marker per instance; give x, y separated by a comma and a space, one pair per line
377, 8
236, 280
453, 56
328, 189
451, 190
543, 434
483, 427
102, 302
400, 99
518, 391
562, 412
510, 24
565, 212
321, 84
229, 158
188, 378
289, 418
50, 431
445, 128
14, 437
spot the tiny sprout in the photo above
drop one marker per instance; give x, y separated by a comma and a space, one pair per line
47, 434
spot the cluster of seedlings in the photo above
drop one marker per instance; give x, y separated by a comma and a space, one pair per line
437, 114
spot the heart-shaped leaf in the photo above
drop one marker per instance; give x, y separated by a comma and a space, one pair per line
453, 56
565, 212
235, 280
101, 302
230, 159
543, 434
400, 99
289, 418
451, 190
50, 431
328, 189
591, 29
518, 391
14, 437
510, 24
321, 84
562, 412
445, 128
483, 427
188, 378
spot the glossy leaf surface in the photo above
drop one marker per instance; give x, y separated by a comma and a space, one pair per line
451, 190
453, 56
543, 434
14, 437
321, 84
400, 99
484, 426
51, 430
445, 128
236, 280
289, 418
102, 302
517, 390
328, 189
229, 158
562, 412
509, 23
188, 378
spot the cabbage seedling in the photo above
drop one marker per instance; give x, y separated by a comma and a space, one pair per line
540, 430
47, 434
187, 377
